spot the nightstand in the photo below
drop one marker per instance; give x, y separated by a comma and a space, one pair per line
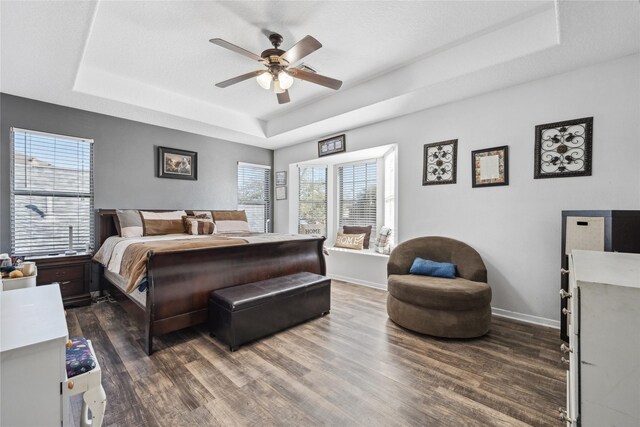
72, 272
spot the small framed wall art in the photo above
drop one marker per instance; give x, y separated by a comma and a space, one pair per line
177, 164
333, 145
563, 149
281, 178
439, 163
281, 193
490, 167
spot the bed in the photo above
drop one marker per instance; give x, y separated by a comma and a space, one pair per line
178, 282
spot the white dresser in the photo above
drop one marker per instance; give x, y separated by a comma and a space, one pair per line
603, 380
33, 334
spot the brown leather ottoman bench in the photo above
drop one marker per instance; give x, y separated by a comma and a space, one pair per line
244, 313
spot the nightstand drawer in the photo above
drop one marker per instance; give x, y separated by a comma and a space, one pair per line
72, 272
70, 288
61, 274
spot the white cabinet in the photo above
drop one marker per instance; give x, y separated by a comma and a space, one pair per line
33, 334
603, 380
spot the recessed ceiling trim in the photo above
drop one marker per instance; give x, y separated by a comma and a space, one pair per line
531, 34
100, 83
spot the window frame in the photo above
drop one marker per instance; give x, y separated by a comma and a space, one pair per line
332, 163
326, 192
379, 180
268, 206
82, 246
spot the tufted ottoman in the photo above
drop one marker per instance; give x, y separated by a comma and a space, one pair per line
449, 308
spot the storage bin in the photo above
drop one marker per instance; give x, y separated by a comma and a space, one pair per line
19, 283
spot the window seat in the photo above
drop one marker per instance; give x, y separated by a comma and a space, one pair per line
365, 252
364, 267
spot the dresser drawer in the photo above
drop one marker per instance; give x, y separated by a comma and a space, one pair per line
60, 274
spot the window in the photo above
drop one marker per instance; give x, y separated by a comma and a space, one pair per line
254, 195
390, 193
51, 191
312, 200
358, 195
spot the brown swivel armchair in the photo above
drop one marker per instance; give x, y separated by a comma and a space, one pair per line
450, 308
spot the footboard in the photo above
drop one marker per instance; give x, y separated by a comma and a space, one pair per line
180, 282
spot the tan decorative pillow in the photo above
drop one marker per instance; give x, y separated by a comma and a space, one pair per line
229, 215
198, 226
231, 221
352, 229
350, 241
207, 214
159, 223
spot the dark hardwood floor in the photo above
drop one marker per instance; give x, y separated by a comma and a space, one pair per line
352, 367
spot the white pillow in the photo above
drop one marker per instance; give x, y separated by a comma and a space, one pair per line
232, 226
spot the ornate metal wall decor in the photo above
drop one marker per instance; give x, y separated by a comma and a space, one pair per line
440, 160
564, 149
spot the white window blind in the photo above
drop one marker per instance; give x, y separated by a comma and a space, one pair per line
51, 190
254, 195
357, 195
312, 200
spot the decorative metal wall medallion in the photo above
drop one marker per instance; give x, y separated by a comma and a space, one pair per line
564, 149
440, 161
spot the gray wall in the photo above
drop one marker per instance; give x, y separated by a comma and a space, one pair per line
124, 159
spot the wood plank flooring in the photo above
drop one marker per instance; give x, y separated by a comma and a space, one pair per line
352, 367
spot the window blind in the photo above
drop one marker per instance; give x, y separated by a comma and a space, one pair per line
312, 200
357, 195
254, 195
51, 190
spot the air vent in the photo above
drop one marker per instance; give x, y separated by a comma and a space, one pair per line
306, 67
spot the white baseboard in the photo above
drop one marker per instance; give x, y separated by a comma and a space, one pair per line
382, 286
528, 318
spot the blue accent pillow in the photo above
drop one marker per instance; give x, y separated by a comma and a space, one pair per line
425, 267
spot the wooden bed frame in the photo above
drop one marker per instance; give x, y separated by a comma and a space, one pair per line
180, 282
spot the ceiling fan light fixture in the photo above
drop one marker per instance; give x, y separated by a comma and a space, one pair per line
285, 80
277, 88
264, 80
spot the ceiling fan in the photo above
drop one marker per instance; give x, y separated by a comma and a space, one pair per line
277, 62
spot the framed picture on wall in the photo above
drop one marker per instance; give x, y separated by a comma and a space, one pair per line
177, 164
490, 167
563, 149
440, 163
281, 193
281, 178
333, 145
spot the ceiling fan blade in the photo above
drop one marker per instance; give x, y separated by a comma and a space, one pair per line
239, 79
283, 97
315, 78
237, 49
301, 49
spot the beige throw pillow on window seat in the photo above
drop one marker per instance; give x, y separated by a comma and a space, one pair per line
350, 241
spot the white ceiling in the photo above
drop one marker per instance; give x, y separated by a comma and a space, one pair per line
151, 60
